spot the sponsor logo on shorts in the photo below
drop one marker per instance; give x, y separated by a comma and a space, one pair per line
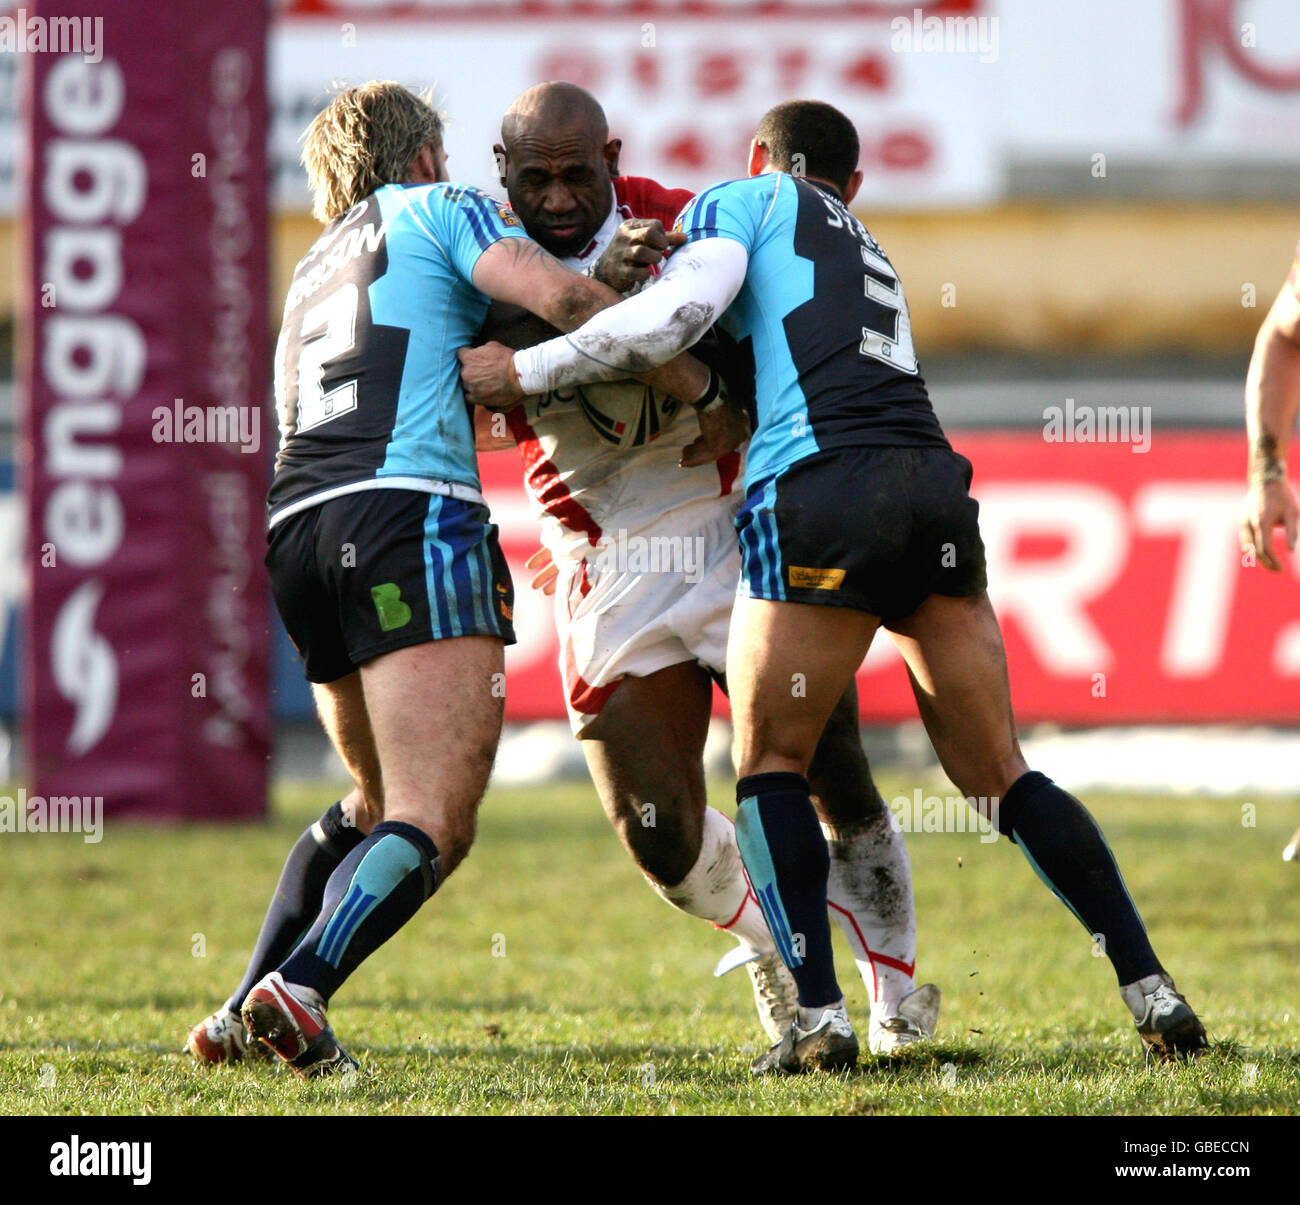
392, 611
816, 579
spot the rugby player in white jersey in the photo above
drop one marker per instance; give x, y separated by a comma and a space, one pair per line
857, 516
641, 556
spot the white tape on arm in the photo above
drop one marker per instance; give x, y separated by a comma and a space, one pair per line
700, 281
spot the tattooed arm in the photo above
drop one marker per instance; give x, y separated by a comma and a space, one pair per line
1272, 403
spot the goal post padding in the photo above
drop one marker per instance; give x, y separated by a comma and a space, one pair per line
146, 433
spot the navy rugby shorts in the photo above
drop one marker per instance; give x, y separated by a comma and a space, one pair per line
380, 569
879, 529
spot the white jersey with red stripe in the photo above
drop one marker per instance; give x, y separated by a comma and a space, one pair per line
600, 461
645, 549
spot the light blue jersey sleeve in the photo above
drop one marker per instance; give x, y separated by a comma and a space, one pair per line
465, 222
736, 210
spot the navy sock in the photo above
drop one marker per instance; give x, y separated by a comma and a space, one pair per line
1068, 852
376, 889
298, 895
787, 861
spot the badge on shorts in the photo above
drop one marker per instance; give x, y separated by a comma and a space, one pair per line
816, 579
392, 611
507, 611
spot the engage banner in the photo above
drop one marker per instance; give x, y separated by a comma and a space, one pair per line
1113, 564
146, 438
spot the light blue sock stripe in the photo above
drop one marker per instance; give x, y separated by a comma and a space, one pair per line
339, 923
1038, 870
752, 843
383, 868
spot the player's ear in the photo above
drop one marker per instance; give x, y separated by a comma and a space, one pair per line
757, 158
425, 168
855, 182
499, 154
610, 154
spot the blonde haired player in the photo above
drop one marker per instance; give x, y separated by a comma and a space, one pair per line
382, 557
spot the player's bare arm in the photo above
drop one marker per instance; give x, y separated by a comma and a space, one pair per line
637, 246
524, 273
1272, 403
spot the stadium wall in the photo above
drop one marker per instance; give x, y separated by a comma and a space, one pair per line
1113, 563
1040, 279
1033, 279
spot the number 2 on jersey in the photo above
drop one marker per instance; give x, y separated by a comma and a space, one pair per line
329, 330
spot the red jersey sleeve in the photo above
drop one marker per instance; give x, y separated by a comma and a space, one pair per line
648, 199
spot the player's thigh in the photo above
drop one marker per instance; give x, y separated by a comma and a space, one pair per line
435, 711
341, 706
645, 752
787, 665
958, 667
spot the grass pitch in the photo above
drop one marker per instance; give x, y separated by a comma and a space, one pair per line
545, 977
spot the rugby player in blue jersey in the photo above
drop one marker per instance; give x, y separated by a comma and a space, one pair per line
857, 516
383, 562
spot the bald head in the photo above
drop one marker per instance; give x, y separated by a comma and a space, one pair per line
552, 108
557, 163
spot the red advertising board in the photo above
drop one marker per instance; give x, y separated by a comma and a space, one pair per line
146, 438
1116, 574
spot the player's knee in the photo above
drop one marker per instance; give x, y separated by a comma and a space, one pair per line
988, 778
454, 849
662, 841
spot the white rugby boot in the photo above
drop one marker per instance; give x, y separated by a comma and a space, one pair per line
776, 999
915, 1021
827, 1044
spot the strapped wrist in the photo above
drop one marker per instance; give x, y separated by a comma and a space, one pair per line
711, 398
